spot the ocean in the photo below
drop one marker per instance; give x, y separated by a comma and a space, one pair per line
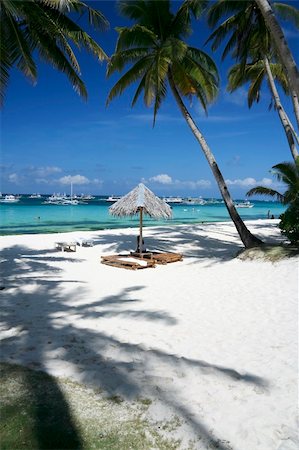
30, 215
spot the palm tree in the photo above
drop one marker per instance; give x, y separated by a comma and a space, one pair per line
45, 26
281, 44
288, 173
159, 58
255, 73
249, 41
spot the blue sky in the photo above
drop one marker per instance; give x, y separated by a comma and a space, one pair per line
51, 137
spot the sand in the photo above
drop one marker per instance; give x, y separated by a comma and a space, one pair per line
211, 340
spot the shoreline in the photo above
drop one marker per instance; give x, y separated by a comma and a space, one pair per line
212, 339
145, 225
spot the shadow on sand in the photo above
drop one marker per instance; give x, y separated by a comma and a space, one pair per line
35, 325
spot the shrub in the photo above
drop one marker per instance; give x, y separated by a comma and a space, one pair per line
289, 224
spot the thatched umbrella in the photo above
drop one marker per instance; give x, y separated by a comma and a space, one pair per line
143, 201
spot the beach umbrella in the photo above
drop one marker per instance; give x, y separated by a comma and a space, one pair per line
141, 200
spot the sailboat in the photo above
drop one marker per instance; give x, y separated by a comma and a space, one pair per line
70, 201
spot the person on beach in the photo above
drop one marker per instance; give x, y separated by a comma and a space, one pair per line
268, 214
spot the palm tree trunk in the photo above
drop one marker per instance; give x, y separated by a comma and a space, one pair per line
295, 106
293, 130
248, 239
281, 44
280, 110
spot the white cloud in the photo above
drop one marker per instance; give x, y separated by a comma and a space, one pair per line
193, 184
75, 179
42, 172
167, 180
249, 182
163, 178
14, 178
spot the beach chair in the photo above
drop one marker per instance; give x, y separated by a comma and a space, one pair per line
66, 246
84, 242
127, 262
159, 257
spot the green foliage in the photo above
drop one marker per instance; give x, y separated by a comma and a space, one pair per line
289, 223
155, 49
288, 173
45, 26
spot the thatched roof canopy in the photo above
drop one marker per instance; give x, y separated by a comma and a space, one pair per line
141, 197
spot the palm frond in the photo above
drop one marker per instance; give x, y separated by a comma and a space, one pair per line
287, 12
261, 190
254, 90
287, 172
223, 8
135, 36
120, 59
132, 75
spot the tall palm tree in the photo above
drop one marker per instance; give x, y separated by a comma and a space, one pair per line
281, 44
249, 39
45, 26
255, 73
288, 173
159, 57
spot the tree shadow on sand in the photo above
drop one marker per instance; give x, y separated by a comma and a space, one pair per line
201, 241
45, 329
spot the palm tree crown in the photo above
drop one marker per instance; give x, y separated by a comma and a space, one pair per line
287, 173
45, 26
156, 51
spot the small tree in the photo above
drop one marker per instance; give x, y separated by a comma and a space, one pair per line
288, 173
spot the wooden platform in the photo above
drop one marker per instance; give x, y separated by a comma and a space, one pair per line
159, 257
127, 262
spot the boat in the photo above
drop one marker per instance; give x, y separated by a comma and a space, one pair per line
194, 201
9, 199
35, 196
172, 199
113, 198
62, 199
245, 204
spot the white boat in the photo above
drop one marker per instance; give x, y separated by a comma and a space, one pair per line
194, 201
35, 196
55, 199
9, 199
113, 198
245, 204
173, 199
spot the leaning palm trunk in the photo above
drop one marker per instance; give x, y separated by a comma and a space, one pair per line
281, 112
295, 106
293, 130
282, 47
246, 237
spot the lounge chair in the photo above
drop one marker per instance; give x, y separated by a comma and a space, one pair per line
127, 262
159, 257
66, 246
84, 242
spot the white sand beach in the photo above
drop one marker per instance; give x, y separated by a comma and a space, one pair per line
211, 340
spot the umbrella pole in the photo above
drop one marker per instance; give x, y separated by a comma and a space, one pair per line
140, 229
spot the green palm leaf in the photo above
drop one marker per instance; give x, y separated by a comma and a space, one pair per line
46, 26
260, 190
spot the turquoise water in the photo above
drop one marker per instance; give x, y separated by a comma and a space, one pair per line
31, 216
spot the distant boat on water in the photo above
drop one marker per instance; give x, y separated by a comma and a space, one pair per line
62, 199
245, 204
35, 196
113, 198
173, 199
9, 199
